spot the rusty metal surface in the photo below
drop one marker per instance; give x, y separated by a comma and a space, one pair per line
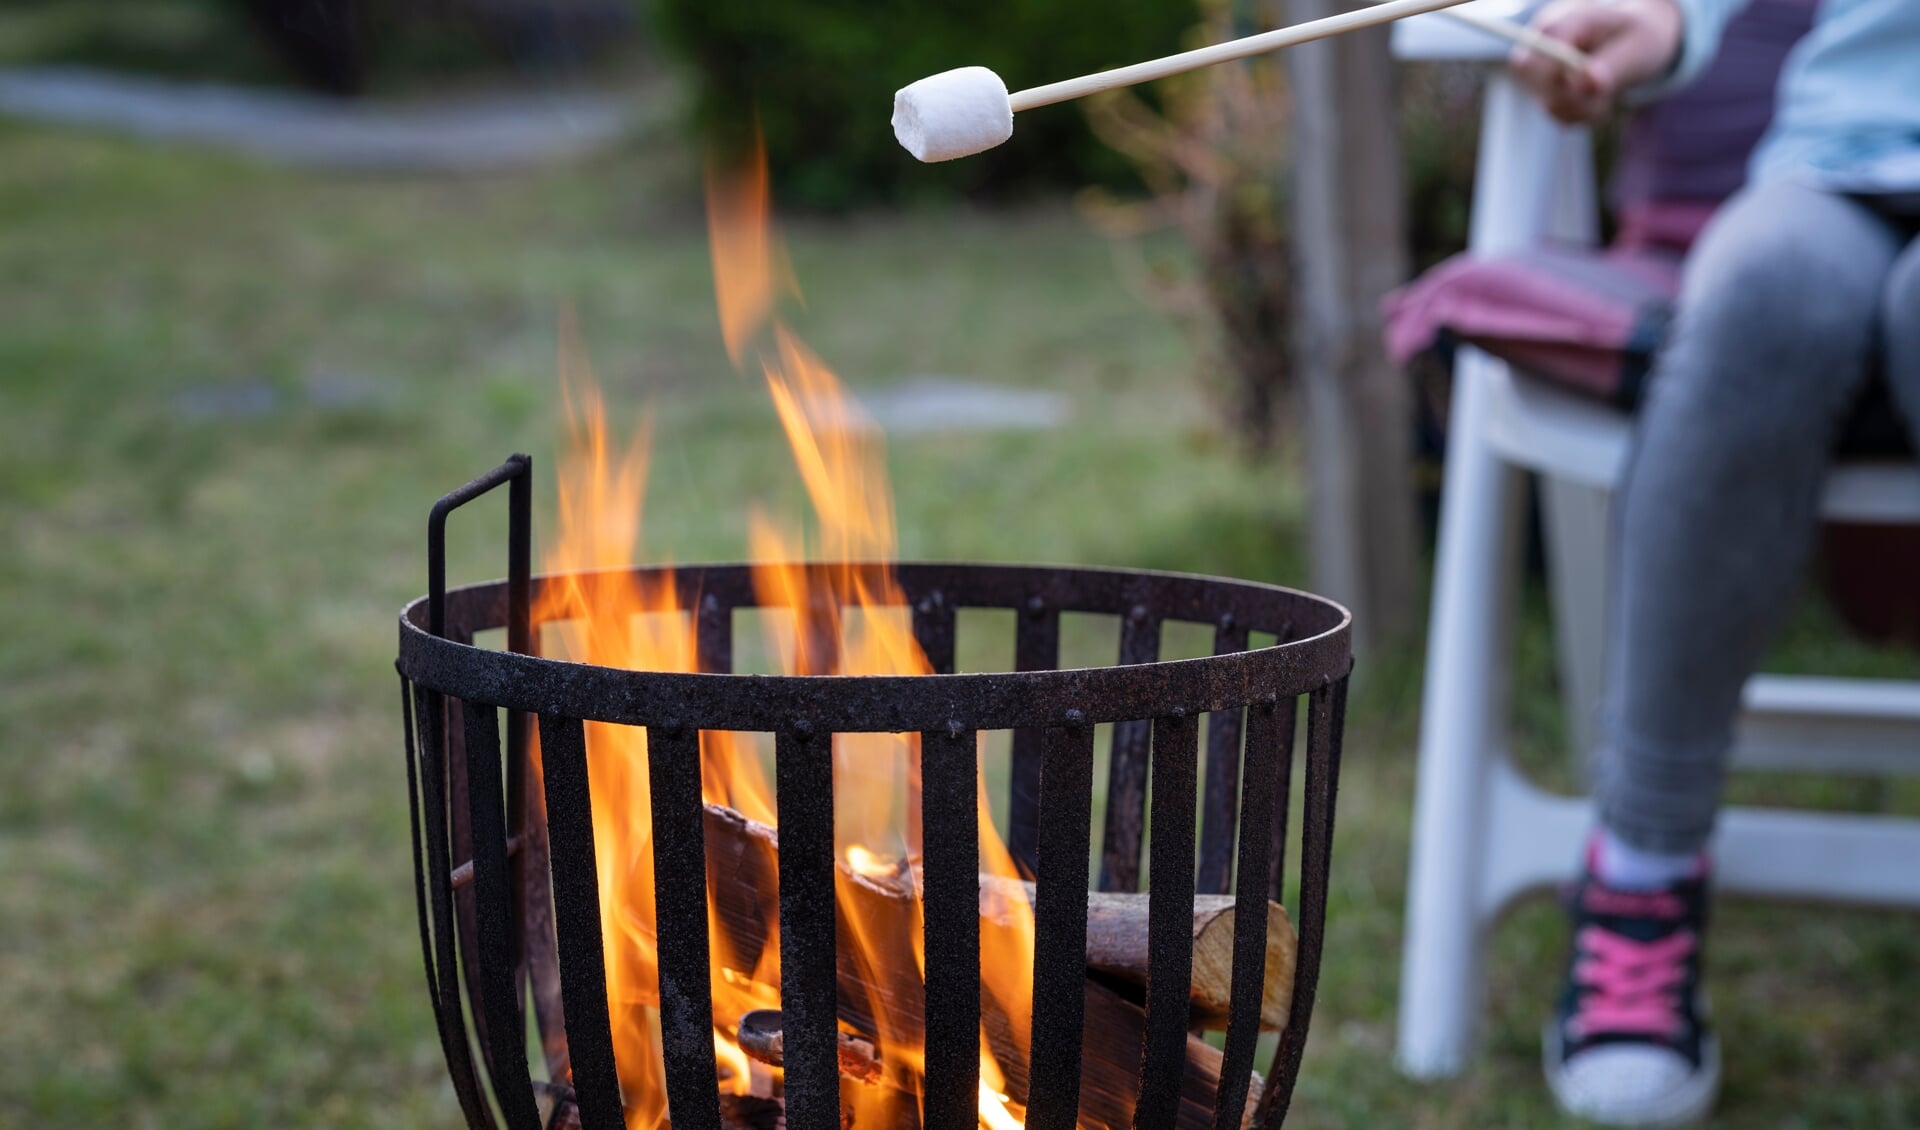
526, 824
1313, 632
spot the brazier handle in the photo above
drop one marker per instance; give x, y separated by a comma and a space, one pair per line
518, 470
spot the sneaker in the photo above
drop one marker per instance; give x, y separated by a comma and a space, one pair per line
1629, 1044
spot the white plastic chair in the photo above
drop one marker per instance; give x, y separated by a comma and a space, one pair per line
1483, 834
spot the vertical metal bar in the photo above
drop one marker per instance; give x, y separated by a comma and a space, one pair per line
713, 638
1176, 752
680, 908
576, 888
520, 557
430, 869
803, 788
493, 903
430, 713
533, 864
1127, 772
460, 831
519, 636
1286, 721
420, 871
952, 928
1220, 808
1036, 647
1060, 926
933, 629
1326, 714
1251, 876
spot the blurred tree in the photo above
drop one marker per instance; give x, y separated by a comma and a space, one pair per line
819, 77
1213, 160
320, 40
1349, 222
336, 46
1291, 199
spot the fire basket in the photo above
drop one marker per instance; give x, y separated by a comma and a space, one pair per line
509, 897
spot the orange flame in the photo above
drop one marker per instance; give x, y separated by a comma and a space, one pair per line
845, 615
614, 620
749, 269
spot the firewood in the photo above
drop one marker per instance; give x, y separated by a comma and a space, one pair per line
885, 1000
743, 881
1117, 945
559, 1111
761, 1037
1110, 1069
743, 877
749, 1112
1109, 1066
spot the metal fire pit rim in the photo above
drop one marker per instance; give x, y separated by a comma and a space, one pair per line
415, 610
879, 703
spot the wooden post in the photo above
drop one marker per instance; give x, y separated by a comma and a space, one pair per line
1349, 232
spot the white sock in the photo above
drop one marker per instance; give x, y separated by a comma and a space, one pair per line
1624, 867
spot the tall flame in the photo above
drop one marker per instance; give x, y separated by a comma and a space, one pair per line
613, 619
847, 615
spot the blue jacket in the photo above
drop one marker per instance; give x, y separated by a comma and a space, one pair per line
1849, 97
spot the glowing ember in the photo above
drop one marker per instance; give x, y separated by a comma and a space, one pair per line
848, 618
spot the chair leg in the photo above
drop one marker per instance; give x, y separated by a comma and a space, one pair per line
1575, 516
1462, 730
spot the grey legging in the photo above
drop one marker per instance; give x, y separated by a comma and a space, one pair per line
1789, 298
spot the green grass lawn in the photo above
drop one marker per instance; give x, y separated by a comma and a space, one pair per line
230, 396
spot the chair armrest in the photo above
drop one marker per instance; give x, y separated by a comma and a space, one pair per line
1433, 37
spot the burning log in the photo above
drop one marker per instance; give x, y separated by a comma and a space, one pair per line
737, 1112
879, 980
880, 994
762, 1038
1109, 1064
1117, 946
1110, 1069
743, 878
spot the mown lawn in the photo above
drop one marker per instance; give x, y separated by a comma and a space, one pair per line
230, 395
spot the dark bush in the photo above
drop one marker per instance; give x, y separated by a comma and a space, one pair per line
337, 46
820, 75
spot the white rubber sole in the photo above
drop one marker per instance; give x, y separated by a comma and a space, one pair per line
1683, 1105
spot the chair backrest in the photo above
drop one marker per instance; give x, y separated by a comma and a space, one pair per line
1682, 156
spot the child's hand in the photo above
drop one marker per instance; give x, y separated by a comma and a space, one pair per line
1628, 41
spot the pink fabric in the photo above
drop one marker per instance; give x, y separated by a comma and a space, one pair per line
1666, 225
1635, 984
1592, 320
1498, 298
1573, 315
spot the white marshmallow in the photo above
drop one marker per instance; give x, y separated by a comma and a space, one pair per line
955, 113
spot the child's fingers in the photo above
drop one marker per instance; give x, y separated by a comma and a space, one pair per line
1569, 95
1574, 95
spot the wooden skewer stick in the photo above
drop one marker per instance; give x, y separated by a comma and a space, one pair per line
1559, 51
1069, 89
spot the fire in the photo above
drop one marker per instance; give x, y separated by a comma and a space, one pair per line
993, 1103
615, 621
848, 616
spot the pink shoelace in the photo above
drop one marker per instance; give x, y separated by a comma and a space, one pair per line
1634, 984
